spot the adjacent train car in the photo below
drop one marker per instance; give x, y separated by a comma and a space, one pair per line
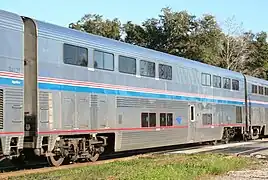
66, 95
257, 97
11, 84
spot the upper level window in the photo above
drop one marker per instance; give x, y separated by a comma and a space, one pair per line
254, 89
226, 83
261, 90
75, 55
216, 81
206, 79
127, 65
235, 84
165, 72
147, 68
103, 60
266, 91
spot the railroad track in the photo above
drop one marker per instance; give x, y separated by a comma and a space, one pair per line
259, 150
44, 166
8, 166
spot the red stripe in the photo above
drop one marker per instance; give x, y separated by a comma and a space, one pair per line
11, 133
108, 129
11, 74
132, 129
119, 129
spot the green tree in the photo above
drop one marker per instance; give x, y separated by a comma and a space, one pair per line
185, 35
258, 64
204, 40
178, 33
95, 24
169, 33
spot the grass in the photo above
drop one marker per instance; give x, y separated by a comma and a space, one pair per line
156, 167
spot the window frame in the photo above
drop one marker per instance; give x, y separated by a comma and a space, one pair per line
253, 89
192, 113
125, 72
266, 91
166, 115
261, 89
216, 77
144, 75
206, 74
103, 52
149, 119
166, 67
223, 83
165, 118
76, 55
238, 85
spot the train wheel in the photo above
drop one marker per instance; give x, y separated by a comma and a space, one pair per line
94, 157
226, 136
214, 142
55, 160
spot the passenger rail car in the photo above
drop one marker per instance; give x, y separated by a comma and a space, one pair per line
67, 95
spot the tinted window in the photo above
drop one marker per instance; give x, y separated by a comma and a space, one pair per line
148, 119
254, 89
127, 65
103, 60
163, 120
165, 72
260, 90
166, 119
169, 119
147, 68
75, 55
144, 120
235, 84
206, 79
217, 81
152, 119
226, 83
192, 113
266, 91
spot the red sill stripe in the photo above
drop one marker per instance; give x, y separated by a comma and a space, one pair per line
11, 133
108, 129
118, 129
131, 129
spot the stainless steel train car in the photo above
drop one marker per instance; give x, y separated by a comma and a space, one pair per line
67, 95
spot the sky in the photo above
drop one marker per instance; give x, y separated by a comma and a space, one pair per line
253, 14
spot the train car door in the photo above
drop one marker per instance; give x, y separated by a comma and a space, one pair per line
30, 77
192, 123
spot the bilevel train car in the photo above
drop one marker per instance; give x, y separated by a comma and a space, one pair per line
67, 95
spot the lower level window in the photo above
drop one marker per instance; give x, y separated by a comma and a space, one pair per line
148, 119
166, 119
207, 119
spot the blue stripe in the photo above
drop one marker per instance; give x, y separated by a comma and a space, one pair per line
72, 88
11, 82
